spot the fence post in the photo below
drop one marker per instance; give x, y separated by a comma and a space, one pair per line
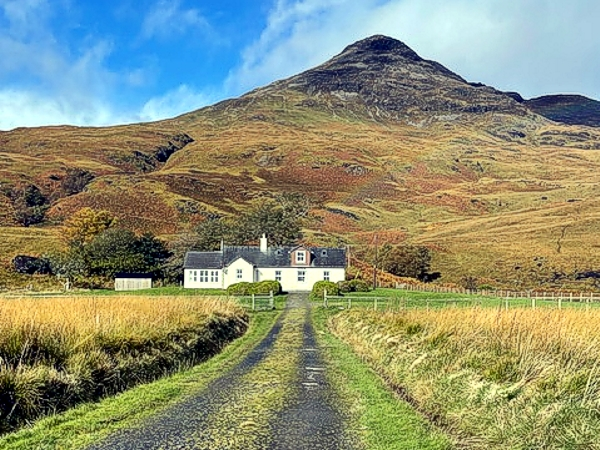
533, 299
506, 302
375, 303
325, 298
271, 301
253, 302
560, 302
349, 302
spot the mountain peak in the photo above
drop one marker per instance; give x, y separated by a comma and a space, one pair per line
380, 44
381, 76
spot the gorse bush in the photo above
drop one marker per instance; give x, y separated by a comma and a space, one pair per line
56, 353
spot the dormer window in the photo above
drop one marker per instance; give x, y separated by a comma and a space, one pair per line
278, 252
301, 257
324, 253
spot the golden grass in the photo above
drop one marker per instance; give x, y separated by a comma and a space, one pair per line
495, 379
58, 352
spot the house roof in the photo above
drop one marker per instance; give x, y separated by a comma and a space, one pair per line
203, 260
274, 257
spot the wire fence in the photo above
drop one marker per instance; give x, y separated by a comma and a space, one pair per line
399, 302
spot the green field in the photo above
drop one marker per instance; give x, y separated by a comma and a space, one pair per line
393, 299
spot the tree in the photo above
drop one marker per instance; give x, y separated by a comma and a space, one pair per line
211, 232
118, 250
405, 260
83, 226
281, 223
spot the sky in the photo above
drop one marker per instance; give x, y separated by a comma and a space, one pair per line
97, 63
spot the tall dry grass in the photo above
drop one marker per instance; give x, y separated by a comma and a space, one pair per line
55, 353
519, 379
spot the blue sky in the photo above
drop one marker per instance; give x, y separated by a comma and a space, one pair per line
121, 61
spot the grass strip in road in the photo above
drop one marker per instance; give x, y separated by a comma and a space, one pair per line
86, 424
378, 416
243, 422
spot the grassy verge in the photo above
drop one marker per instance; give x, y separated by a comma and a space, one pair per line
495, 379
91, 422
383, 421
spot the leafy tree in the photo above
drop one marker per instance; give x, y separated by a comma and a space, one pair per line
405, 260
83, 226
281, 222
118, 250
281, 219
211, 232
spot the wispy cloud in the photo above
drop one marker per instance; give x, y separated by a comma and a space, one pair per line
531, 46
168, 18
175, 102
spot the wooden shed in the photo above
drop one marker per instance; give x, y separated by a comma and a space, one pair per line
133, 281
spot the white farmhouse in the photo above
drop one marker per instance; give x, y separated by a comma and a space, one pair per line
296, 268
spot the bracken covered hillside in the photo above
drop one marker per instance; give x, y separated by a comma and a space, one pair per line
378, 138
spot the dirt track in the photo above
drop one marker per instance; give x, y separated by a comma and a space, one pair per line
276, 398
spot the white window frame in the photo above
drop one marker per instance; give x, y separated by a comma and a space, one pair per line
239, 274
326, 275
301, 276
204, 276
214, 276
195, 274
278, 275
301, 257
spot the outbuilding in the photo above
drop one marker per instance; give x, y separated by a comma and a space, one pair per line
133, 281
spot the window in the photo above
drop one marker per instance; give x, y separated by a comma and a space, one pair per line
324, 253
326, 275
278, 275
195, 275
301, 276
239, 274
214, 276
204, 276
301, 257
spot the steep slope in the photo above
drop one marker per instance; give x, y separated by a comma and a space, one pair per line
381, 141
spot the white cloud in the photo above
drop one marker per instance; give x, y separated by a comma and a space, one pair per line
534, 46
47, 82
168, 18
31, 109
178, 101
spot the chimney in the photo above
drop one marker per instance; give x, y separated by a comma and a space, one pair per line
263, 243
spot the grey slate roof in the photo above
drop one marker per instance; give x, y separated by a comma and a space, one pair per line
203, 260
274, 257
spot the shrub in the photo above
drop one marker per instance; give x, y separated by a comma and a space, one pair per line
344, 286
266, 286
358, 285
261, 287
319, 288
243, 288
